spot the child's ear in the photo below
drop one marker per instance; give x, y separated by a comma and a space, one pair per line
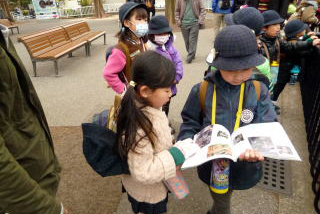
144, 91
127, 23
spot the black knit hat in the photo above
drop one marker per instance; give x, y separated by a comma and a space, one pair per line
126, 8
236, 49
294, 27
249, 16
271, 17
159, 24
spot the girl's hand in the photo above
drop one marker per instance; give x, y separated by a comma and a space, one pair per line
251, 155
316, 42
311, 34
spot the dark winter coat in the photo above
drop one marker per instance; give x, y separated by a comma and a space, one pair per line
285, 47
281, 6
243, 174
29, 170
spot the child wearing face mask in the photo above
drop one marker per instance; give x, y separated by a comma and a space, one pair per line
161, 40
132, 39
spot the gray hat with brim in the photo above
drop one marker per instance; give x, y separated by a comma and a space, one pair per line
236, 49
249, 16
294, 27
271, 17
158, 25
126, 8
228, 19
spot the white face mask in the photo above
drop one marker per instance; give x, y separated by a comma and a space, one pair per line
161, 40
141, 29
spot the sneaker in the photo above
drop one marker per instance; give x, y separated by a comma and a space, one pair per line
189, 60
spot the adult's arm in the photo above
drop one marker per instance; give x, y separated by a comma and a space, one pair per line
18, 192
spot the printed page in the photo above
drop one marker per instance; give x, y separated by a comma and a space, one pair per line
215, 142
240, 143
270, 139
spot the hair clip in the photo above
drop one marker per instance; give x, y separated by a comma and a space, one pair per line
132, 83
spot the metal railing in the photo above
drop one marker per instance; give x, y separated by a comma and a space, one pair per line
109, 8
310, 91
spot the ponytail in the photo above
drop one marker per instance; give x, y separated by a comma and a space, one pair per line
131, 116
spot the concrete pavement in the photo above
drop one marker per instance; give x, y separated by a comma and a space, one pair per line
79, 92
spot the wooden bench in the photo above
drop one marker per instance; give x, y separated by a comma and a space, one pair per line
9, 25
56, 42
81, 31
50, 45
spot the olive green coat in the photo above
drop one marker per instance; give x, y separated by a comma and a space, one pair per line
29, 170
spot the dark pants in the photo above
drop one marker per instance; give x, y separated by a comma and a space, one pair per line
221, 203
190, 35
278, 88
151, 10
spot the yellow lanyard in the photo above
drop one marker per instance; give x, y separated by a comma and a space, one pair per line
214, 106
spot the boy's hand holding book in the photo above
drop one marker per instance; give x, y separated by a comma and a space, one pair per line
251, 155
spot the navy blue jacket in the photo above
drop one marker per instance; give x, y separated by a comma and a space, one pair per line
216, 7
243, 175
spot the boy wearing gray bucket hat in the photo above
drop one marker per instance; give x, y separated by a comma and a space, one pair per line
253, 19
219, 94
295, 30
273, 46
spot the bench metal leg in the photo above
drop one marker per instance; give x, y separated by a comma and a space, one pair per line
34, 64
11, 30
70, 54
88, 49
56, 67
104, 39
18, 30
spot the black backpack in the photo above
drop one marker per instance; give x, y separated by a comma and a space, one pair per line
225, 5
100, 150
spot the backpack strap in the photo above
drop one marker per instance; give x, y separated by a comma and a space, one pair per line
257, 86
124, 48
203, 91
204, 87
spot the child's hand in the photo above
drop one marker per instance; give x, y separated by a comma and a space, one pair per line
311, 33
187, 147
313, 37
316, 42
251, 155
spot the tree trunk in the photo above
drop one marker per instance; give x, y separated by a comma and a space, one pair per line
170, 7
98, 7
4, 4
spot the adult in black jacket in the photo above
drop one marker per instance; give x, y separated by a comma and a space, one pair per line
152, 9
281, 6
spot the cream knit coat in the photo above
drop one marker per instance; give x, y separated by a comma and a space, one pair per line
148, 166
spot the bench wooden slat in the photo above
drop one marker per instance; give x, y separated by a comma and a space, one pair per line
62, 50
59, 41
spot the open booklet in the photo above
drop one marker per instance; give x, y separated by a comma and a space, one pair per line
215, 141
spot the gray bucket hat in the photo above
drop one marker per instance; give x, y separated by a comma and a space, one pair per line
249, 16
294, 27
236, 49
126, 8
272, 17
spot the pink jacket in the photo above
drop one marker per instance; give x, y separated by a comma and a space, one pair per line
115, 64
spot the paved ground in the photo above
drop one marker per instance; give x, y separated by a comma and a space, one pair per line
72, 98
